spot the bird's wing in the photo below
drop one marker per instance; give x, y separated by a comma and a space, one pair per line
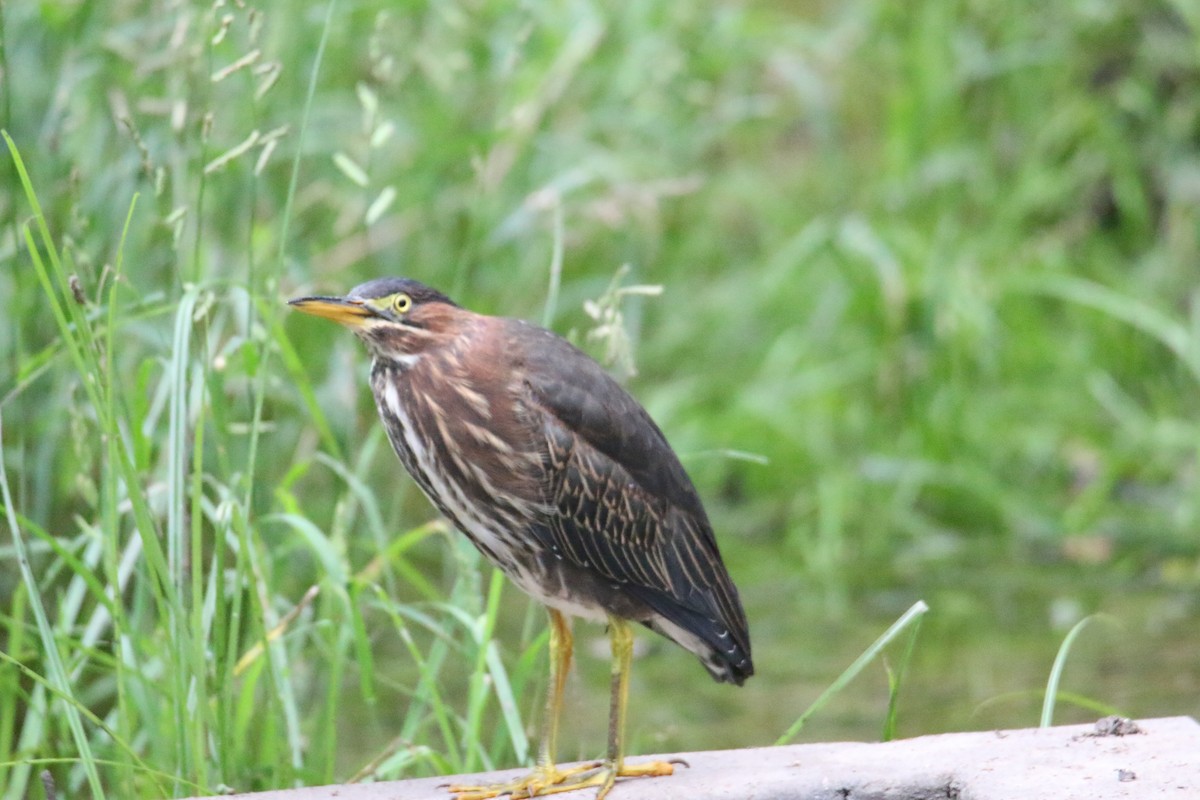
588, 402
624, 505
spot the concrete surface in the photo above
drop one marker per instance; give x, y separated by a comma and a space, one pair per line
1157, 758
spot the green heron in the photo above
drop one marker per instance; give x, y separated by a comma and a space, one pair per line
562, 480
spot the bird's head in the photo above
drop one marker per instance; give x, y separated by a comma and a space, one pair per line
397, 318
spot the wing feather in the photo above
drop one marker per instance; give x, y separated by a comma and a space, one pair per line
626, 507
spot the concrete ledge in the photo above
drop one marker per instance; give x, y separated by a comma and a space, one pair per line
1080, 762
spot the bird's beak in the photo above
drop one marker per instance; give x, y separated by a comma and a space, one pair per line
350, 313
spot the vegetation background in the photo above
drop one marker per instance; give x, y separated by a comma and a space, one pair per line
928, 329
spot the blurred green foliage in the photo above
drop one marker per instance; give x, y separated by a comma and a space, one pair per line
928, 328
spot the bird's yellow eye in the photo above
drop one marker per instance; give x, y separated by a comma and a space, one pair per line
401, 303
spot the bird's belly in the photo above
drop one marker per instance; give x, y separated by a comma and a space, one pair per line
551, 586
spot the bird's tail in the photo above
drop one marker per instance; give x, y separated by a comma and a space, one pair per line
724, 652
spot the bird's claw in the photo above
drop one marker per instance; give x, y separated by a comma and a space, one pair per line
542, 780
552, 780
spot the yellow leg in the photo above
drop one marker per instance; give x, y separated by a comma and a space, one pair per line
546, 774
622, 661
562, 649
614, 766
547, 778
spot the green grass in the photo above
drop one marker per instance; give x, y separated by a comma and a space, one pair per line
926, 329
910, 619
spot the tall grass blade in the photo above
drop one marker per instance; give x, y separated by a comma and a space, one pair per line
302, 133
896, 680
909, 617
1056, 671
58, 679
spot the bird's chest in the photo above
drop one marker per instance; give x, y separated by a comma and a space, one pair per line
461, 448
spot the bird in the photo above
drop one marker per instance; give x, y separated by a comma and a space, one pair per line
563, 481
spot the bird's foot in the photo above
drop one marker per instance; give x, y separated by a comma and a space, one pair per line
535, 783
607, 773
552, 780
